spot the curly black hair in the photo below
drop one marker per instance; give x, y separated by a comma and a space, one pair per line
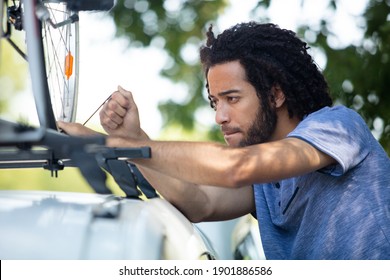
271, 56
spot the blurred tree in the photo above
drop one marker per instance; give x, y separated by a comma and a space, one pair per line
358, 75
13, 73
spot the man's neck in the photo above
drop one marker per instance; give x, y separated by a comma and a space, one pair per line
284, 125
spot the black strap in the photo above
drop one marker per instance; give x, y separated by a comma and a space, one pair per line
123, 177
146, 188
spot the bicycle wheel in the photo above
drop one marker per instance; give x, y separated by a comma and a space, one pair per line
60, 37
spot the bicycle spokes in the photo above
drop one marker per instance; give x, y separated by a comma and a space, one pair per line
60, 39
60, 36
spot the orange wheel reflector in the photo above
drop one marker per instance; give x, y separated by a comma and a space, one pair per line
68, 65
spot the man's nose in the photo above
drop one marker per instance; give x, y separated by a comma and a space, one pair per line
221, 114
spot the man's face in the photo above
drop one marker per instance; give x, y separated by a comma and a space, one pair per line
238, 109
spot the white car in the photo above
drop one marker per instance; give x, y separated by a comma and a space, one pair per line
59, 225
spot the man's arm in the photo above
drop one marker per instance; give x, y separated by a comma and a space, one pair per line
197, 203
200, 202
218, 165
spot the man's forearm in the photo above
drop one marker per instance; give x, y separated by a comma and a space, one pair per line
187, 198
213, 164
195, 162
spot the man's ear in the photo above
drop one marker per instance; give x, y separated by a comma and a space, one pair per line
279, 97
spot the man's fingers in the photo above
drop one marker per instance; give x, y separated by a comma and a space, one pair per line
119, 113
64, 126
75, 129
127, 94
110, 119
117, 106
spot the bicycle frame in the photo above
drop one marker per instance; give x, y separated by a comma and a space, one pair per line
9, 134
37, 66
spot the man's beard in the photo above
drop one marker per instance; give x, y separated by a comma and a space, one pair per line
261, 129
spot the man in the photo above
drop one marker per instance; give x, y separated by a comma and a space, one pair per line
312, 174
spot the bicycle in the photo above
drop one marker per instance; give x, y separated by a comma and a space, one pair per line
57, 23
52, 40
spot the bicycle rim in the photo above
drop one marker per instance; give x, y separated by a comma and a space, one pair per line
61, 47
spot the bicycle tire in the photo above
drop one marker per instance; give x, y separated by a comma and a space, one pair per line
60, 40
63, 86
61, 51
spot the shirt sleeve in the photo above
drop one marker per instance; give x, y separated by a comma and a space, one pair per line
339, 132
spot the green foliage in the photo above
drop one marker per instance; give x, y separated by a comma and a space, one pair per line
68, 180
358, 74
13, 72
40, 179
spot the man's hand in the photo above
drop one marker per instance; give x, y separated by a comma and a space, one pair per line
120, 117
76, 129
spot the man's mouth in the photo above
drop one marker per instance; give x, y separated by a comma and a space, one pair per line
229, 131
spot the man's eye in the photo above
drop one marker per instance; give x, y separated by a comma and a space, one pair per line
232, 99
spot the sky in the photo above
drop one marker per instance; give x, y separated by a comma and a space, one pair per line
106, 61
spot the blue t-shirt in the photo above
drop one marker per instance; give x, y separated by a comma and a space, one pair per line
340, 212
